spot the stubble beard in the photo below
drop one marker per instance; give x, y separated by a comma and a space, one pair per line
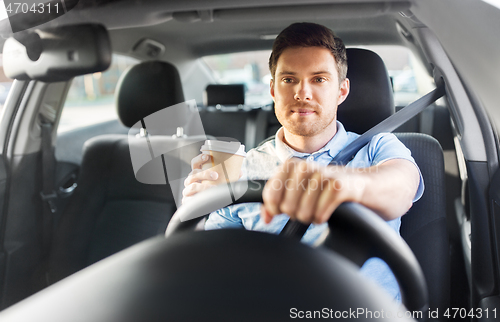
306, 129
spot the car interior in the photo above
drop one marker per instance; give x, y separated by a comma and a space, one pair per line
82, 225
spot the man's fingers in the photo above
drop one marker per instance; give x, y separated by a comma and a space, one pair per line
198, 175
295, 188
191, 189
273, 190
196, 187
303, 191
185, 199
306, 208
190, 178
198, 161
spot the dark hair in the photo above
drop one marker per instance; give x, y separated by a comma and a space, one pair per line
306, 34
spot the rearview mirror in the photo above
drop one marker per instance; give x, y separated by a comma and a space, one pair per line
57, 54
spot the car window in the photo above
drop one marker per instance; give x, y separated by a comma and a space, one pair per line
249, 68
5, 85
410, 79
90, 98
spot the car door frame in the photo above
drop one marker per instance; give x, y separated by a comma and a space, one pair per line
21, 254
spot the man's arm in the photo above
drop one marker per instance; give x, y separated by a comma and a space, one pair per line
310, 193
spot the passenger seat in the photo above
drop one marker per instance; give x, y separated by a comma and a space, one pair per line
111, 209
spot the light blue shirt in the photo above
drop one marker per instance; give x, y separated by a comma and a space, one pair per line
263, 161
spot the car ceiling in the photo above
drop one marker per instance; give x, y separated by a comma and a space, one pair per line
210, 27
227, 36
193, 28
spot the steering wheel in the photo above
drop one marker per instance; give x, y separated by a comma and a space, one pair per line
356, 232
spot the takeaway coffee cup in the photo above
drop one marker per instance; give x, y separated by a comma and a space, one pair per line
226, 158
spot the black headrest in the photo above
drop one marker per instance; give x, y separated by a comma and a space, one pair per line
370, 100
233, 94
147, 88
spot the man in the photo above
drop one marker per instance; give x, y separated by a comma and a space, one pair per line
308, 67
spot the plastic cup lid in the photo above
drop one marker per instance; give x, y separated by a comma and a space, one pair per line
225, 147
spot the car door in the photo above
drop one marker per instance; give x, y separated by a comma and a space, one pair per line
27, 136
22, 225
19, 164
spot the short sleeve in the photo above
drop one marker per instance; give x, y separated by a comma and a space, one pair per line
386, 146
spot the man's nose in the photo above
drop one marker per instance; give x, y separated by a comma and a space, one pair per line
303, 92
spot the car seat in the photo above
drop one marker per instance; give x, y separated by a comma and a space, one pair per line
111, 210
424, 226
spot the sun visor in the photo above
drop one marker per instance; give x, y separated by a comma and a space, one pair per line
57, 54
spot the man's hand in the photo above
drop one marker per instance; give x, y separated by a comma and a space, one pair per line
198, 179
310, 193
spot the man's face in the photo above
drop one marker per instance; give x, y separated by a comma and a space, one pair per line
306, 91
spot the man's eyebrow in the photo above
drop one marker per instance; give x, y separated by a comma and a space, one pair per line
284, 72
322, 72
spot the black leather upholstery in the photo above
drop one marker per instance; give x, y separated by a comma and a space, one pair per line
424, 226
147, 88
230, 124
370, 99
111, 210
225, 94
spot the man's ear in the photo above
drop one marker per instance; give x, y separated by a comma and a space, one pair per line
271, 84
344, 90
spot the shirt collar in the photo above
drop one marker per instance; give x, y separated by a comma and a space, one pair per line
333, 147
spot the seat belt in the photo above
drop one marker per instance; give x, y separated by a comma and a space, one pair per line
297, 229
48, 193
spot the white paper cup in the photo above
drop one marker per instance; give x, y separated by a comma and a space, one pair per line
226, 158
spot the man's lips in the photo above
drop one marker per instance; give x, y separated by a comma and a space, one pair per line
303, 111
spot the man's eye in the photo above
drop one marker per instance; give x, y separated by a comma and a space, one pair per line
320, 80
287, 80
